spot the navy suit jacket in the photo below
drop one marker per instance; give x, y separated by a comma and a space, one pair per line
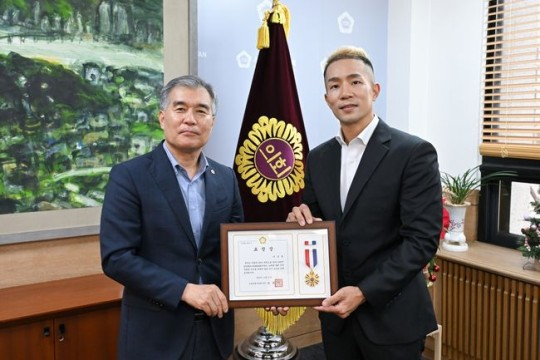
388, 230
148, 246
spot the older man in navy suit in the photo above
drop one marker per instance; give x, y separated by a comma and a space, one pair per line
382, 187
160, 235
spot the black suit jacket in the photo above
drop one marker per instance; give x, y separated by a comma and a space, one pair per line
148, 246
388, 230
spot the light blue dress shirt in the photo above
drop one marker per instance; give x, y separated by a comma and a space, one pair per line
193, 191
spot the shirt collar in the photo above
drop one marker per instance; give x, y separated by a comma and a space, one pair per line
365, 135
203, 162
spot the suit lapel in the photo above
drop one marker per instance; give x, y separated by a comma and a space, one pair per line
332, 163
374, 153
212, 188
161, 170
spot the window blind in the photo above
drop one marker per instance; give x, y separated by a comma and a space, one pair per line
511, 107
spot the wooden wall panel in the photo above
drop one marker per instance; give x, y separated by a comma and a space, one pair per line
36, 262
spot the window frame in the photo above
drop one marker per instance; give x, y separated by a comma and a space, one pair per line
490, 205
495, 199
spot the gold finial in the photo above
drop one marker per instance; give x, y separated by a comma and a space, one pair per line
280, 15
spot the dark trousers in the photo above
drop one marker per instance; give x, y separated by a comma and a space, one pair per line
201, 344
352, 344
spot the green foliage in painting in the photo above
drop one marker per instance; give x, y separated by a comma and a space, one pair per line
64, 122
61, 7
21, 5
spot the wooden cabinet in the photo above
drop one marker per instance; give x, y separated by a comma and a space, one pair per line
58, 320
487, 304
90, 335
31, 341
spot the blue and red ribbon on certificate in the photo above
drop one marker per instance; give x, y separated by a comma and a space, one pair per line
310, 256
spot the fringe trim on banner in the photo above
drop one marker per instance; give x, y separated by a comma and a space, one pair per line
280, 15
277, 324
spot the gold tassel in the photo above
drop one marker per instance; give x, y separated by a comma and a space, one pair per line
263, 35
277, 324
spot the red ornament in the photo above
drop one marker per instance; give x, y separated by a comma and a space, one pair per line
433, 277
446, 220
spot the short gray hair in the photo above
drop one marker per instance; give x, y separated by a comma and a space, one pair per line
187, 81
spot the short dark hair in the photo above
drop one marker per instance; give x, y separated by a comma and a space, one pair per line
188, 81
349, 52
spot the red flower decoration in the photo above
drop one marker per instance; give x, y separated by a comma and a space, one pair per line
446, 220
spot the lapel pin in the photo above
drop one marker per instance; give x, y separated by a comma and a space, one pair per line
213, 172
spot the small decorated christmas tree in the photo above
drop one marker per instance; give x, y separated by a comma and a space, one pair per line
529, 243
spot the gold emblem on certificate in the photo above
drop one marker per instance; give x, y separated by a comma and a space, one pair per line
310, 256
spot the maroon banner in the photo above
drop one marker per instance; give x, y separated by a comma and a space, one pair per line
272, 145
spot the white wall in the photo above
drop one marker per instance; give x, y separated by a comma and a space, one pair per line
434, 75
228, 28
431, 49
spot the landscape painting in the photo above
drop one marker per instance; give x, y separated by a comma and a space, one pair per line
79, 92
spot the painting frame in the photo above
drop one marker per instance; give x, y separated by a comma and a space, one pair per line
179, 56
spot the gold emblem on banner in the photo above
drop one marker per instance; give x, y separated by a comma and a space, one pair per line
271, 159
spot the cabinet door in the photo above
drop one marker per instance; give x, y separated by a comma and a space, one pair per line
33, 341
90, 335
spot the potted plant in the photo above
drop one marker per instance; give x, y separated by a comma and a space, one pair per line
456, 190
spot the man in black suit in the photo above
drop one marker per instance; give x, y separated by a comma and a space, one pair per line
160, 235
382, 187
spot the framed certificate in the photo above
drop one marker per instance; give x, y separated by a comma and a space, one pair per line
278, 263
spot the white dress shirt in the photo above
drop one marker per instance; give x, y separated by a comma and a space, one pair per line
351, 154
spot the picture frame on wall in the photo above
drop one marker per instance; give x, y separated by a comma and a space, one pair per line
86, 99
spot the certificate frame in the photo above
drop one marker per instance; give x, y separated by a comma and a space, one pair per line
278, 263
